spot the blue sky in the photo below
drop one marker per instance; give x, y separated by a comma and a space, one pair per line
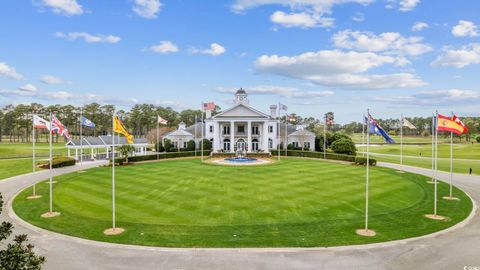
392, 56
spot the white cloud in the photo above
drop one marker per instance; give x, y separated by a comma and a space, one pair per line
164, 47
8, 71
50, 79
358, 17
338, 69
392, 42
465, 29
214, 50
303, 13
408, 5
283, 91
301, 19
147, 9
435, 98
64, 7
459, 58
89, 38
419, 26
28, 88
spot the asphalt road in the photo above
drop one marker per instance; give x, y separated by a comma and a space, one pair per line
455, 249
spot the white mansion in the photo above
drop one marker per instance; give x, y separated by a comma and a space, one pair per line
242, 127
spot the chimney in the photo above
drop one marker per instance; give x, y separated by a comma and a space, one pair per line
208, 114
273, 111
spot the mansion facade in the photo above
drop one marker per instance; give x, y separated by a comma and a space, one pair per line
243, 127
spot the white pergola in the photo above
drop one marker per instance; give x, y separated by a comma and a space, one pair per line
93, 144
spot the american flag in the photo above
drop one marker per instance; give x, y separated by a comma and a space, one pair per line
329, 119
209, 106
59, 128
291, 118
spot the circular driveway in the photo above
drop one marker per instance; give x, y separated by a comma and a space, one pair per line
453, 249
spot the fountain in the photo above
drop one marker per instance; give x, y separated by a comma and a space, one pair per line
241, 157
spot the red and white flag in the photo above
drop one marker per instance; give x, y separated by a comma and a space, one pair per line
458, 121
209, 106
161, 120
59, 128
39, 122
291, 118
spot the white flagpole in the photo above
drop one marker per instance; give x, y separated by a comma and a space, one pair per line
33, 154
278, 135
363, 135
325, 137
195, 140
50, 166
81, 137
157, 146
436, 163
401, 141
286, 135
203, 126
451, 161
433, 146
113, 172
367, 176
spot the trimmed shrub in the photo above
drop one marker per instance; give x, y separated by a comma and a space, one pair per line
168, 145
59, 162
363, 161
207, 145
344, 146
159, 147
478, 138
313, 154
191, 145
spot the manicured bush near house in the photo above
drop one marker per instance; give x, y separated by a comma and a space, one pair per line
363, 161
191, 145
344, 146
478, 138
59, 162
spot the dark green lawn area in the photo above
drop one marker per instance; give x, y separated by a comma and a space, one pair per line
293, 203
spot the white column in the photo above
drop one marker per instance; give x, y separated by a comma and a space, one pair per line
216, 136
76, 153
249, 136
232, 133
91, 154
68, 152
265, 137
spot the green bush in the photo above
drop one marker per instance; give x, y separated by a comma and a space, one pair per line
168, 145
344, 146
314, 154
478, 138
159, 147
207, 145
191, 145
363, 161
59, 162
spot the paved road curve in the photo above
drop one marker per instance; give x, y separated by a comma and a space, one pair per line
451, 250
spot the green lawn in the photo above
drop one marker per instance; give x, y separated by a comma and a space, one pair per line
465, 156
16, 150
293, 203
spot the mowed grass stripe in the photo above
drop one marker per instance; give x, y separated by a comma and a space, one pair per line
295, 202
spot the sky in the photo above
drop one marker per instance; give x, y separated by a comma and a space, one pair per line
395, 57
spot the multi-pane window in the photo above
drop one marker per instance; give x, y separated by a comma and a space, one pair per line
270, 129
241, 129
210, 128
255, 130
306, 145
226, 130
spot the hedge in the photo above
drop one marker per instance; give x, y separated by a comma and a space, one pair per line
332, 156
161, 156
59, 162
363, 161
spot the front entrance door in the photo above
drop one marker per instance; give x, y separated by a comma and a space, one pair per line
241, 145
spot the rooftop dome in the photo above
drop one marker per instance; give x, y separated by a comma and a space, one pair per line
241, 91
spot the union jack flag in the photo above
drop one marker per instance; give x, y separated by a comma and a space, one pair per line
59, 128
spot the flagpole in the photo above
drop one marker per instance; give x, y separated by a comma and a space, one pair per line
33, 154
325, 137
286, 135
195, 140
436, 163
401, 141
278, 135
451, 161
81, 137
367, 176
113, 171
363, 135
433, 146
201, 143
157, 146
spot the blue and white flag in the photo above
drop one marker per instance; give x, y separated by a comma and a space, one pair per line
375, 128
87, 123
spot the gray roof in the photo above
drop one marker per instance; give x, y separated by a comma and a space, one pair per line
198, 127
105, 141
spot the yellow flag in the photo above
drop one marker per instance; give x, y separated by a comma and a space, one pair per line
120, 128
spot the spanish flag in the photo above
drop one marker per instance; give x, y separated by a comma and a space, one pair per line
120, 128
445, 123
